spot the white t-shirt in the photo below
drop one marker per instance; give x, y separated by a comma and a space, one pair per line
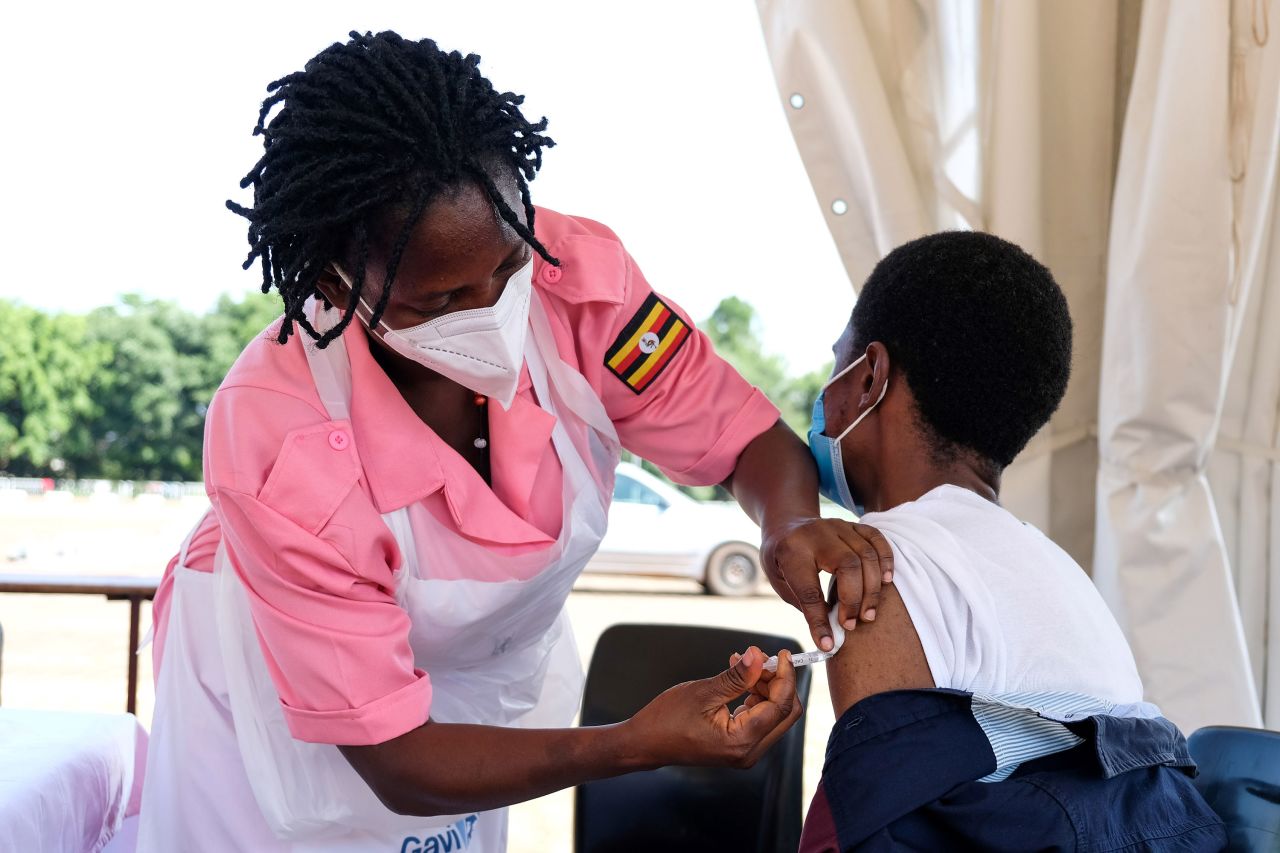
999, 607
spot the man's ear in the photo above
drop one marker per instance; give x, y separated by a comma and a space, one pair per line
877, 373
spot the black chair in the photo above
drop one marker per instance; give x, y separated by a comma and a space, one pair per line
1240, 778
676, 809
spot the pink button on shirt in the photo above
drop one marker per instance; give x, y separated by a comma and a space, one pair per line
298, 499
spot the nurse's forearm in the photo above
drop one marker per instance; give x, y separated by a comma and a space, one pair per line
775, 480
443, 768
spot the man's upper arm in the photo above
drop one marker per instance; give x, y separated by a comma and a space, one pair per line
879, 656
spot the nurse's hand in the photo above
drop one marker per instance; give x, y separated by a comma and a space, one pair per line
794, 555
691, 724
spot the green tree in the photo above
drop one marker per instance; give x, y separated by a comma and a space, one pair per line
796, 397
734, 329
231, 325
165, 364
224, 333
145, 419
45, 367
122, 393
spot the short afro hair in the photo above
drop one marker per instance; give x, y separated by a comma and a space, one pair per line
981, 332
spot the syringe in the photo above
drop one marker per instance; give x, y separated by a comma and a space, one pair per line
806, 658
803, 659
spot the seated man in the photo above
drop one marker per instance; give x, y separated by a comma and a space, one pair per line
958, 351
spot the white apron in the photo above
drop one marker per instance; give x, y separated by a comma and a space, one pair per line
223, 772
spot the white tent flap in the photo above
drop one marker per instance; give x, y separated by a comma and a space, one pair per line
1168, 342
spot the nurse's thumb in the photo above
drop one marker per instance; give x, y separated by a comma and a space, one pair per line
737, 679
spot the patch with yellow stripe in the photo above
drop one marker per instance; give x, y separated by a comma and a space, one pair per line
647, 344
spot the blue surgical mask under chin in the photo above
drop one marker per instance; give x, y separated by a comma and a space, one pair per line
832, 480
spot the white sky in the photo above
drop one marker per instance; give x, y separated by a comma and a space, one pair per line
128, 125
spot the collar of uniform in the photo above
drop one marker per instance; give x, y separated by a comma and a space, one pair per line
404, 460
518, 441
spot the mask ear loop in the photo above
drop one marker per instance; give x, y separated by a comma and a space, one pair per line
851, 366
884, 390
351, 288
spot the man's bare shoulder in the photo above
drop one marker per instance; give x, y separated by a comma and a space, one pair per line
879, 656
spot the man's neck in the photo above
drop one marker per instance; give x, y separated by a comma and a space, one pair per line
916, 478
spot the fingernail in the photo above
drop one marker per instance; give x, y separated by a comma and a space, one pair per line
826, 643
870, 615
850, 624
888, 577
748, 658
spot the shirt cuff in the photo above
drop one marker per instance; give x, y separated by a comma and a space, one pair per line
372, 723
755, 416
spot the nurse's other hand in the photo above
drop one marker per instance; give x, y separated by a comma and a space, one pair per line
857, 554
691, 724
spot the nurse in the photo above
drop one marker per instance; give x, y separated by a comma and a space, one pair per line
363, 645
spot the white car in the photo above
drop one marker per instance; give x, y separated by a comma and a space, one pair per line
655, 529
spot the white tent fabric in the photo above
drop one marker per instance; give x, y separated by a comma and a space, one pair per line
862, 82
1047, 183
1170, 332
886, 97
907, 150
1244, 471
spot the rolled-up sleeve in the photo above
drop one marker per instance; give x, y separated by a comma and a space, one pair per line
336, 644
316, 562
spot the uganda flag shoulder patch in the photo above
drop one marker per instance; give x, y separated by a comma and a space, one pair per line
647, 344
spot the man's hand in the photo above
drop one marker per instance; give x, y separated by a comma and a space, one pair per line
858, 555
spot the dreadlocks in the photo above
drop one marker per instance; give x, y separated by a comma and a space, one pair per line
375, 124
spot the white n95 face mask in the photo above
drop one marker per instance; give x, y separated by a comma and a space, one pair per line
481, 349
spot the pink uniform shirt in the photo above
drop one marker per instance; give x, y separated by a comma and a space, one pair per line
299, 498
